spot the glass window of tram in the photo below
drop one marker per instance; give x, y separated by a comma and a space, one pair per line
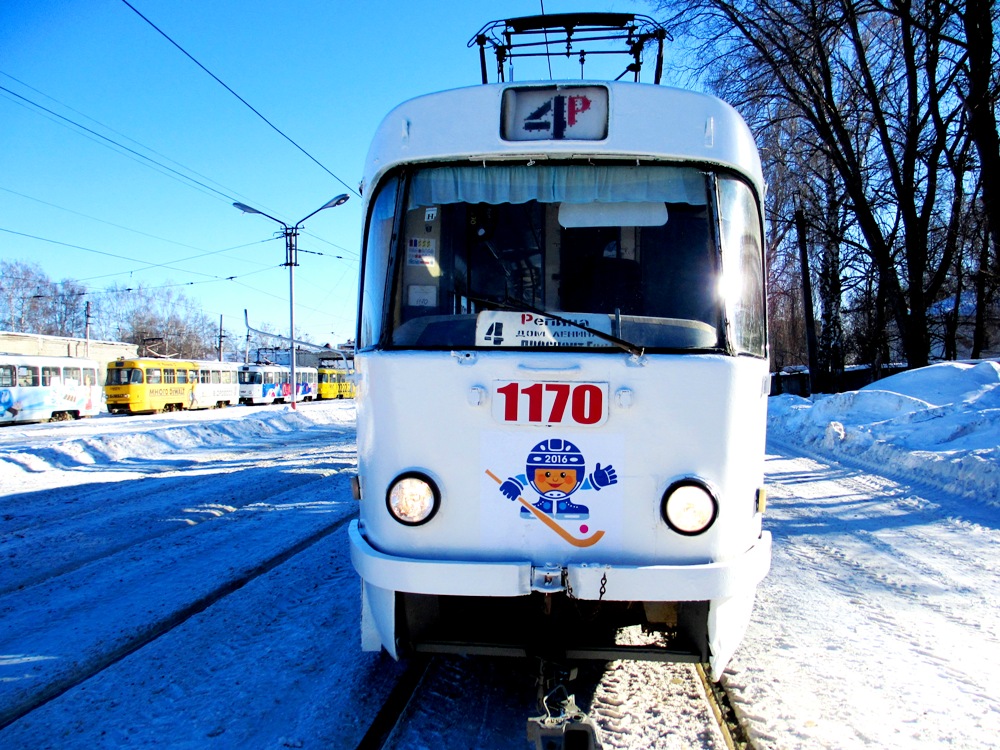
743, 270
27, 377
378, 246
630, 245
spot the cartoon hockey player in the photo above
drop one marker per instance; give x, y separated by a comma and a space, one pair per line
556, 469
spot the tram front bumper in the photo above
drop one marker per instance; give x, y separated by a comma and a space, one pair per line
657, 583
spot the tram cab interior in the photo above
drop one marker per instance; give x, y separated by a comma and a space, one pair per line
638, 246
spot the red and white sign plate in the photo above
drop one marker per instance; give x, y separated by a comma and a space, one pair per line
545, 403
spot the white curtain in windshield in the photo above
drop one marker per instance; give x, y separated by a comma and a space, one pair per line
546, 184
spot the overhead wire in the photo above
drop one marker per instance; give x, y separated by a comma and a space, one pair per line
150, 163
116, 143
229, 191
548, 57
146, 267
202, 253
153, 163
350, 254
94, 218
210, 277
244, 101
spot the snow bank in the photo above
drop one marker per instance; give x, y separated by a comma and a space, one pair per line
939, 425
109, 439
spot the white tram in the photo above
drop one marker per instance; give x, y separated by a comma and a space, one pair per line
272, 384
562, 375
43, 389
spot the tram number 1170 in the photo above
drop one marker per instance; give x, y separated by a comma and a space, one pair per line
550, 403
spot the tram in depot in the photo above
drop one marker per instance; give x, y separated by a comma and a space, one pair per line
336, 378
272, 384
562, 373
335, 383
48, 389
150, 385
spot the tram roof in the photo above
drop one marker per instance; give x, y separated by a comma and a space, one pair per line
645, 122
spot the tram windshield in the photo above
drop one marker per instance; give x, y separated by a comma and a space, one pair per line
124, 375
564, 256
252, 377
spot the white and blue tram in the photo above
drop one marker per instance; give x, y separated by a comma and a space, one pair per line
272, 384
562, 375
43, 389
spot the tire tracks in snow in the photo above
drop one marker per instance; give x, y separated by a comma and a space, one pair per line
895, 551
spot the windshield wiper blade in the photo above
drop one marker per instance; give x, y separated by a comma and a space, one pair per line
518, 306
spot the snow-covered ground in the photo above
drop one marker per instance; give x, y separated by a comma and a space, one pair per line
117, 532
938, 425
877, 627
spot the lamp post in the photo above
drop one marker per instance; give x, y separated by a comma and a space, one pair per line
291, 234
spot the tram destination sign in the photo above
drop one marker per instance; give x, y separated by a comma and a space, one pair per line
555, 113
531, 330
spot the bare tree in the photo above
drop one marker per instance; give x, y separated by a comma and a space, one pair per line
978, 18
874, 87
159, 319
22, 285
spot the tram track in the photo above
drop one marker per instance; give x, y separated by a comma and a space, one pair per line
298, 628
448, 701
725, 714
30, 567
87, 524
157, 629
394, 708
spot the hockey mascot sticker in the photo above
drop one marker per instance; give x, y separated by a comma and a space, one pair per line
558, 485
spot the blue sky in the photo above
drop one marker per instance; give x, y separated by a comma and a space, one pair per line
324, 73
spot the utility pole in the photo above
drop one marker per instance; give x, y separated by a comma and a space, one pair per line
291, 234
87, 328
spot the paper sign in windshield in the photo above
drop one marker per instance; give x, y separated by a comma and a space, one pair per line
525, 329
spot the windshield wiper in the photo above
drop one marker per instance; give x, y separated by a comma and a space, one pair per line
517, 306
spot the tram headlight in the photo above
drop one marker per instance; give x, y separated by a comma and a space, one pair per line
413, 498
689, 507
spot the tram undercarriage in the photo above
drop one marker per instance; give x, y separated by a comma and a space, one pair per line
553, 627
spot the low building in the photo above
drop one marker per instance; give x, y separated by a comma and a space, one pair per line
61, 346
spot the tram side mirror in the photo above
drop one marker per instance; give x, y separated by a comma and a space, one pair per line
645, 214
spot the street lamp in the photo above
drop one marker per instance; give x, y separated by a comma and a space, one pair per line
291, 260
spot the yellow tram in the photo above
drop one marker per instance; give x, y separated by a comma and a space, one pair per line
335, 383
149, 386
